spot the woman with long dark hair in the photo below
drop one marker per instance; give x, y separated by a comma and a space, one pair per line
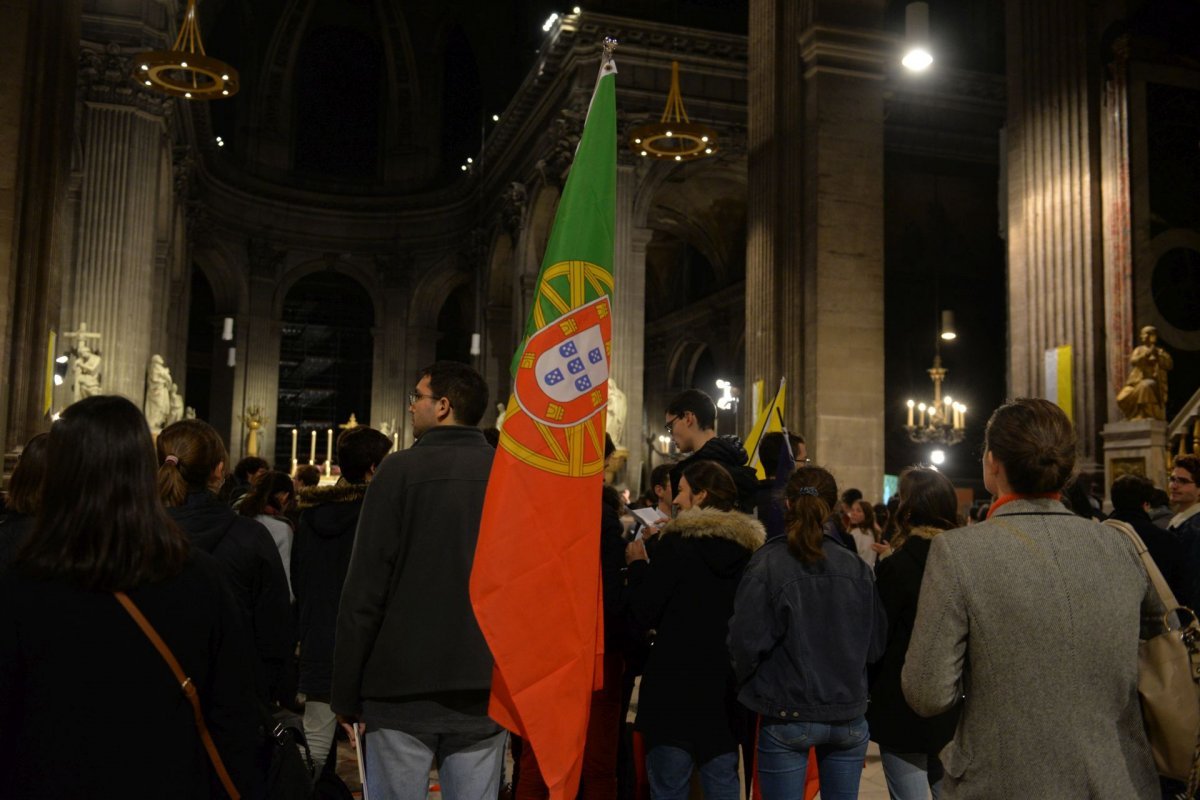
1031, 621
908, 743
268, 503
685, 594
88, 708
191, 468
24, 497
806, 623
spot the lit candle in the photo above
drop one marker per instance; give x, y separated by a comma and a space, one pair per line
962, 417
329, 452
295, 438
910, 413
312, 451
295, 464
395, 441
921, 408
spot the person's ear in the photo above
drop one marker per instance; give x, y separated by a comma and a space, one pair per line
218, 473
698, 497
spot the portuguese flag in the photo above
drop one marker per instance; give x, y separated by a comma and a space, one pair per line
535, 585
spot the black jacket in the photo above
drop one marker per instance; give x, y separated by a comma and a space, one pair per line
255, 574
320, 559
14, 527
729, 453
1164, 546
88, 708
893, 724
685, 593
802, 635
405, 624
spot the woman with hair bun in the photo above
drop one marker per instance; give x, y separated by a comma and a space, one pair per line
1031, 620
685, 593
191, 459
806, 623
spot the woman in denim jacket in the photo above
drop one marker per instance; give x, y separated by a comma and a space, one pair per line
806, 622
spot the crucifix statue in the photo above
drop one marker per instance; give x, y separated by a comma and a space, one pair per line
85, 363
351, 424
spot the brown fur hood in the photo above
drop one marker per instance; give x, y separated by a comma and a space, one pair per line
341, 492
739, 528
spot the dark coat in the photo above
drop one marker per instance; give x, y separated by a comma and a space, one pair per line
88, 708
802, 635
893, 724
1187, 534
1164, 547
729, 453
685, 593
320, 559
255, 573
14, 527
405, 624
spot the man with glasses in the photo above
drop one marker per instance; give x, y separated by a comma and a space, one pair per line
409, 659
691, 421
1185, 501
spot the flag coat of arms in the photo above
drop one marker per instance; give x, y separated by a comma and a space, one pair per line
535, 583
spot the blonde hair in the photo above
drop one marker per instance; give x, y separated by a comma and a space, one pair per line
188, 453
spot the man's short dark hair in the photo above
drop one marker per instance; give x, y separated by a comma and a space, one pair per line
661, 475
462, 385
698, 403
1159, 498
248, 466
769, 449
1191, 464
359, 449
308, 475
851, 496
1130, 492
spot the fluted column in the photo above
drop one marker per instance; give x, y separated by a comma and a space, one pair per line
1054, 252
1118, 233
257, 384
390, 377
629, 318
123, 146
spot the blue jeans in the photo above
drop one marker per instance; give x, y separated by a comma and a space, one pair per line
669, 771
783, 757
911, 776
398, 765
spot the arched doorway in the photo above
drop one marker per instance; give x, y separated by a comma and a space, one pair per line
325, 361
455, 325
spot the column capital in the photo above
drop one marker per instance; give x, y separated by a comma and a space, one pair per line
107, 77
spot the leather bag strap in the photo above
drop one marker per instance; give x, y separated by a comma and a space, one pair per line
1160, 584
189, 690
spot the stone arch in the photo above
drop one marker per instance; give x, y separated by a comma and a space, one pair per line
431, 292
225, 276
365, 276
500, 270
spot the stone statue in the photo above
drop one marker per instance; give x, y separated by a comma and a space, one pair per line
1144, 395
176, 405
85, 366
254, 419
501, 413
617, 410
388, 427
189, 413
157, 407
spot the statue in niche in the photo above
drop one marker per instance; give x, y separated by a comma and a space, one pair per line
85, 367
176, 405
157, 407
388, 427
1144, 395
617, 410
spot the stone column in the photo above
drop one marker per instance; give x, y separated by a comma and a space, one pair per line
1054, 246
39, 51
123, 141
258, 338
390, 377
1118, 233
814, 259
629, 318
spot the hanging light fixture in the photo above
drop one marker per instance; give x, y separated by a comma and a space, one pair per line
944, 421
917, 57
674, 137
185, 70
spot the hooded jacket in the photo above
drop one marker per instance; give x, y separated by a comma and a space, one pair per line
685, 593
254, 569
320, 559
802, 635
729, 453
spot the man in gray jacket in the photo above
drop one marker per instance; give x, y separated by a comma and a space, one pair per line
409, 659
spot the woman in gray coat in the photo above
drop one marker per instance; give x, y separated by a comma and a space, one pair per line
1032, 620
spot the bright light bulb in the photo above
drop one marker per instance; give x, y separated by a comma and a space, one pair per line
470, 161
637, 141
58, 380
495, 117
183, 64
145, 67
917, 59
708, 151
643, 152
949, 336
220, 143
937, 457
679, 158
911, 404
224, 77
549, 23
576, 10
147, 83
948, 400
188, 95
464, 167
669, 133
61, 360
704, 138
225, 91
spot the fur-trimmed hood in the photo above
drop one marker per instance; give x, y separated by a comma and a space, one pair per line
341, 492
734, 526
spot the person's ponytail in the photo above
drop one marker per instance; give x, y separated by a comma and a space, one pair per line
811, 494
188, 453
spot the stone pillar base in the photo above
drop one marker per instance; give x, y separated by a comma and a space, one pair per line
1135, 446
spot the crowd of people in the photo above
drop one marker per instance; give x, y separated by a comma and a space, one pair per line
765, 622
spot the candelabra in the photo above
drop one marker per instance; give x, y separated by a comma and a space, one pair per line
941, 422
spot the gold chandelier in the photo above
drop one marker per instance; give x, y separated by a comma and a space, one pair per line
944, 421
674, 136
185, 70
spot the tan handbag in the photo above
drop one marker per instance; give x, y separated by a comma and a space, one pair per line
1169, 679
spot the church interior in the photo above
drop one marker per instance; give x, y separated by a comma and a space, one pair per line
362, 187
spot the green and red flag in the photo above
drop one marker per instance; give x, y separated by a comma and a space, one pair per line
535, 584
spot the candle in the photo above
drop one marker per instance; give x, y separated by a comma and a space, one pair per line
962, 417
921, 408
395, 441
312, 450
329, 452
910, 413
295, 464
295, 437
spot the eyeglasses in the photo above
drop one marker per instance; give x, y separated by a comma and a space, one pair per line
413, 397
1180, 481
671, 424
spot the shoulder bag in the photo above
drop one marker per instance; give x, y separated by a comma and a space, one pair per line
189, 690
1169, 679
